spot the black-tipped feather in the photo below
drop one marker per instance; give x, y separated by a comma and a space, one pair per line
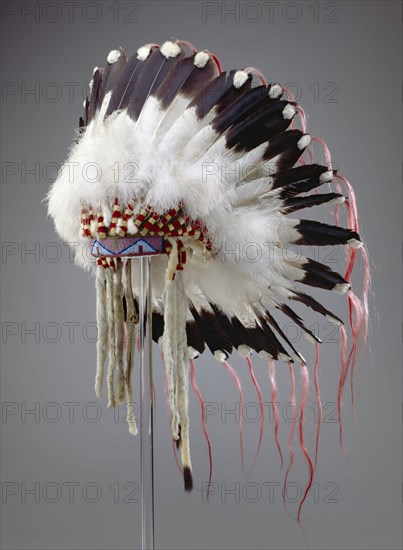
103, 80
185, 77
151, 78
284, 146
270, 319
259, 127
174, 80
261, 341
297, 203
320, 275
227, 327
194, 333
111, 74
239, 110
275, 342
163, 73
233, 94
124, 85
145, 82
310, 302
241, 334
297, 320
321, 234
214, 337
194, 336
93, 101
199, 77
258, 338
299, 179
213, 94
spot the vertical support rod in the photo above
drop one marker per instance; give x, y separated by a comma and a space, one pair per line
146, 407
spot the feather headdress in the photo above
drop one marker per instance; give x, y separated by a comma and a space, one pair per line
211, 163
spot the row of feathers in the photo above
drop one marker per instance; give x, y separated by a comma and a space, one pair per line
167, 127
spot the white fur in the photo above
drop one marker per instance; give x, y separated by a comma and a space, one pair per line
304, 141
193, 353
288, 111
265, 355
354, 243
113, 56
201, 59
275, 91
143, 53
244, 351
338, 200
326, 176
220, 356
131, 228
342, 288
170, 49
240, 77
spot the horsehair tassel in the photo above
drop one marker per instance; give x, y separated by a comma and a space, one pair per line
111, 337
131, 318
102, 324
169, 339
183, 380
119, 330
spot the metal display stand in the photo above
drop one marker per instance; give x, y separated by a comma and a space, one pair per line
146, 406
142, 248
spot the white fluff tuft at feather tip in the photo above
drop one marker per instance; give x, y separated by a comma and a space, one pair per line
113, 56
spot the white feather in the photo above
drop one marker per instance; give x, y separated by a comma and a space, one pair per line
250, 192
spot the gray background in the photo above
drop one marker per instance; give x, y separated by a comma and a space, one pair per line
355, 45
